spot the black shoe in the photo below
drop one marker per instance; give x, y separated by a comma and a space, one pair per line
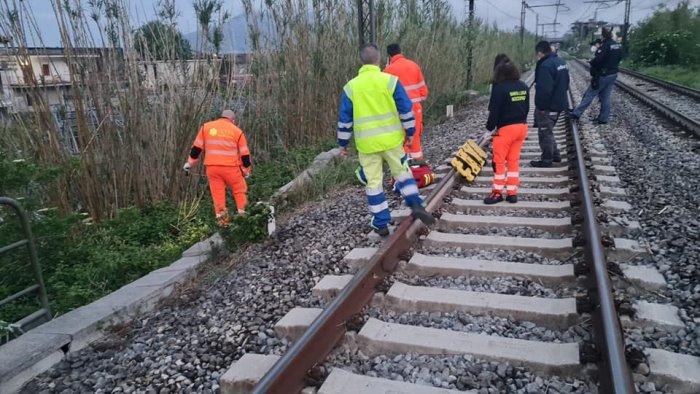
418, 212
557, 160
598, 121
512, 199
540, 164
493, 198
574, 116
384, 231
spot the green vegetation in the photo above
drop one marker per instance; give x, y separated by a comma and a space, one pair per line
667, 45
688, 76
155, 39
667, 38
83, 261
119, 206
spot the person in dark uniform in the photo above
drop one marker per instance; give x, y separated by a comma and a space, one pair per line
508, 108
551, 86
604, 67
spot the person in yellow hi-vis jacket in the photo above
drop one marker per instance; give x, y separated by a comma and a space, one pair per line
374, 105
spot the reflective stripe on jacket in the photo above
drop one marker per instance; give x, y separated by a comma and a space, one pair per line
223, 143
411, 77
375, 106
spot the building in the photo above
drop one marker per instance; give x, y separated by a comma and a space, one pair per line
31, 71
617, 31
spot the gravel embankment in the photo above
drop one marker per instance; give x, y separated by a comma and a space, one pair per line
658, 165
653, 159
457, 372
688, 106
466, 372
187, 343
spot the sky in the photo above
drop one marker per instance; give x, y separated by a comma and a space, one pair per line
505, 13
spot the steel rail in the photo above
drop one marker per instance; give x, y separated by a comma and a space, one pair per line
670, 113
684, 90
616, 376
288, 374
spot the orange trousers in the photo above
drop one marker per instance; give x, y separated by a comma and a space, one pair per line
506, 153
414, 150
219, 178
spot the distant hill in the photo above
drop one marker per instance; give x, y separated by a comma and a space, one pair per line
236, 38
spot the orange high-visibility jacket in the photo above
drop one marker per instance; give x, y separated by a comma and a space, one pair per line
411, 77
223, 143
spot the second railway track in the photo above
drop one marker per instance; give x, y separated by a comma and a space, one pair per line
502, 298
678, 103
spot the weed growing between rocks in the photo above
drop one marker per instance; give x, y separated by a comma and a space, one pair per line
248, 228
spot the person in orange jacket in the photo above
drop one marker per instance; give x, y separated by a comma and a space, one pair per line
227, 158
411, 77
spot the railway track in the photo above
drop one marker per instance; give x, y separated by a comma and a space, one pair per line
678, 103
564, 324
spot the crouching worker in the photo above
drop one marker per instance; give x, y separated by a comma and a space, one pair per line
375, 106
508, 110
227, 159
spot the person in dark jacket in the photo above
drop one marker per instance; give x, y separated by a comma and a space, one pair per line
604, 67
551, 86
508, 108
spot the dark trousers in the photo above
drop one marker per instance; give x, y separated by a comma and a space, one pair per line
545, 133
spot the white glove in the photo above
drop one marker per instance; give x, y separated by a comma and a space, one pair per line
187, 167
487, 136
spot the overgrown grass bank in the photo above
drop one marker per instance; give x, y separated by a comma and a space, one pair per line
687, 76
83, 261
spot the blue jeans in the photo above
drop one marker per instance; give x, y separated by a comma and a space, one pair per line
604, 94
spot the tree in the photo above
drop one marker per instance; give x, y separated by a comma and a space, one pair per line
668, 37
159, 41
211, 31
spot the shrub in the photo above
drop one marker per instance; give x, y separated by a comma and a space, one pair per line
668, 37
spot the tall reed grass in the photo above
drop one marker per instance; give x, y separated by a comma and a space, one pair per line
302, 53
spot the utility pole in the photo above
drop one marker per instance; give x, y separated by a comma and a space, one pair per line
558, 5
553, 24
537, 26
522, 22
470, 47
366, 22
626, 26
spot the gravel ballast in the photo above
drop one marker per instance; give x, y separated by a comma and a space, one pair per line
189, 341
658, 164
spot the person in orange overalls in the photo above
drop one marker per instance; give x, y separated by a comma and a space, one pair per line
227, 159
411, 77
508, 108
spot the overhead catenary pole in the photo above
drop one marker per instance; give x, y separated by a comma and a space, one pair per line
470, 44
537, 26
626, 26
558, 5
366, 22
522, 22
544, 36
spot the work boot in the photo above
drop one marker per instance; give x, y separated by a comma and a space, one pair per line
513, 198
383, 232
418, 212
540, 164
493, 198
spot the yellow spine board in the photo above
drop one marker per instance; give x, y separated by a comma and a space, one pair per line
463, 169
469, 160
477, 149
473, 154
